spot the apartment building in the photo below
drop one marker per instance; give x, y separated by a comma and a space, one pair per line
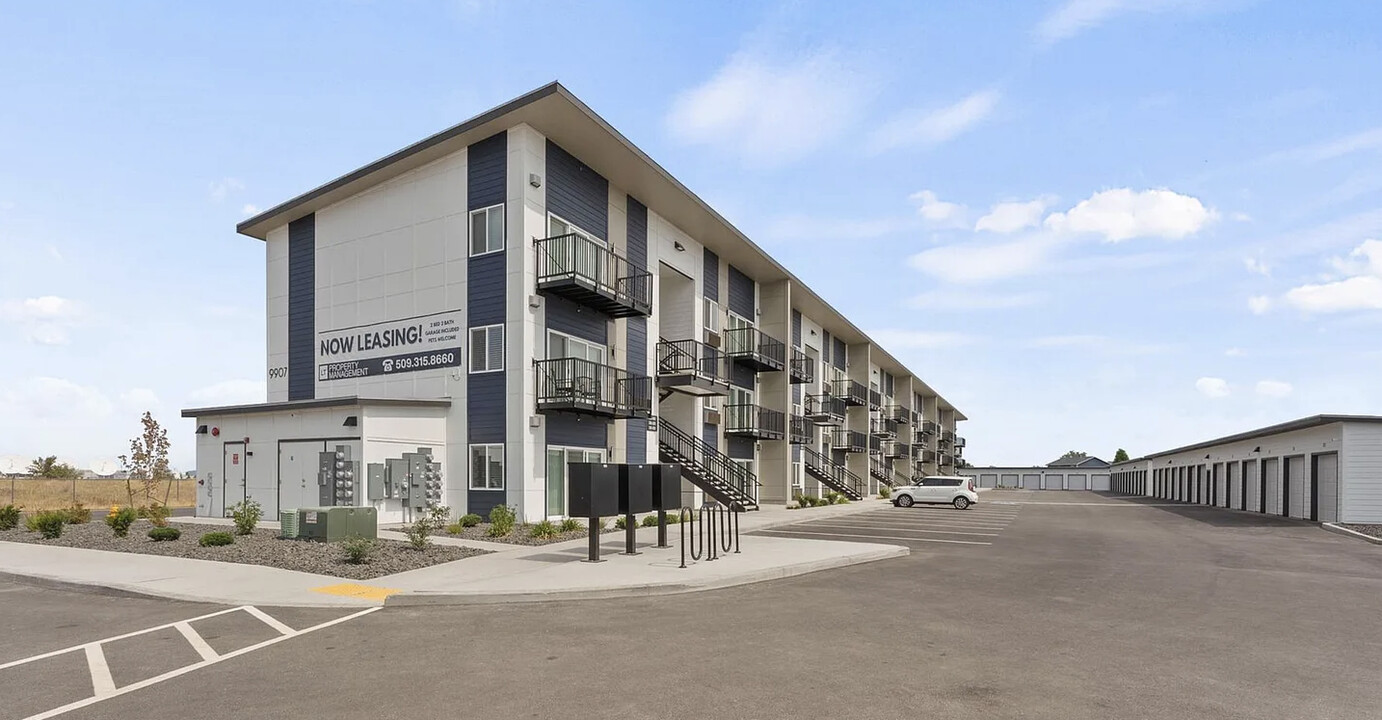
458, 322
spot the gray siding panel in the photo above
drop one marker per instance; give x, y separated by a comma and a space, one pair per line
825, 347
741, 375
485, 395
486, 279
487, 165
741, 294
1360, 474
577, 431
481, 502
637, 327
577, 193
302, 308
711, 275
578, 321
637, 214
796, 392
840, 355
710, 436
739, 448
796, 329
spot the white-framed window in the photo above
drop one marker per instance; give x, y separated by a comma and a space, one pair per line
487, 349
557, 460
561, 345
738, 342
557, 226
746, 464
740, 396
487, 467
487, 230
711, 312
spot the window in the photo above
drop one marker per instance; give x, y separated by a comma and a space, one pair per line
740, 396
710, 310
557, 460
486, 230
557, 227
487, 349
486, 467
561, 345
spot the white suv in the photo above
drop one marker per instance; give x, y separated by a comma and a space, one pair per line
939, 489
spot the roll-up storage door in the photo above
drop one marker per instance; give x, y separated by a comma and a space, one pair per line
1054, 482
1326, 488
1076, 482
988, 480
1271, 469
1102, 483
1031, 482
1298, 488
1008, 480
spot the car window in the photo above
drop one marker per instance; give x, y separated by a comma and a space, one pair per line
954, 482
930, 482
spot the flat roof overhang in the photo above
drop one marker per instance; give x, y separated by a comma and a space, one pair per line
315, 404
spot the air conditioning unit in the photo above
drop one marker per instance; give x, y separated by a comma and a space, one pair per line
712, 416
712, 338
288, 524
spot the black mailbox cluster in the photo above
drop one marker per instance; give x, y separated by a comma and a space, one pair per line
605, 489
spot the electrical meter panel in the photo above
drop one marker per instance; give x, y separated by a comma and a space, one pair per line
336, 475
376, 482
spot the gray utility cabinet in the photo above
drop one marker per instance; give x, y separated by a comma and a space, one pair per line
336, 523
336, 477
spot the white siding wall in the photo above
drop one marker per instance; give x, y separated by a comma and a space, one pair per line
1360, 474
391, 431
276, 305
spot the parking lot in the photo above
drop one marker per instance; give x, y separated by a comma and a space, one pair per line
915, 527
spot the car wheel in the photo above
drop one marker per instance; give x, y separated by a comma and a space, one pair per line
961, 502
904, 501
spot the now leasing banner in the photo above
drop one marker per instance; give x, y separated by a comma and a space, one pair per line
425, 342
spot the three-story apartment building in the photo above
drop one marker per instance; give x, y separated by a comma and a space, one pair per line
458, 322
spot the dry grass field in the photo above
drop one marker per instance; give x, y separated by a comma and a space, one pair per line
47, 494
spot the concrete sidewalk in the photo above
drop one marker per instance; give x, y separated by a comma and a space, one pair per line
511, 573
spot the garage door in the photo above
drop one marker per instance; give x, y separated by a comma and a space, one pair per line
1008, 480
1272, 470
1054, 482
1076, 482
1252, 498
1101, 483
988, 480
1297, 490
1031, 482
1231, 486
1326, 488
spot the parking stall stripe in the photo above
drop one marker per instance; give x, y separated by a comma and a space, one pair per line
270, 620
74, 648
949, 523
896, 529
196, 641
102, 684
876, 537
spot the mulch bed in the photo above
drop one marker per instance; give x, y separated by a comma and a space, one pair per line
262, 548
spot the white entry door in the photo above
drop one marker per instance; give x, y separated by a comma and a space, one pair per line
232, 488
297, 474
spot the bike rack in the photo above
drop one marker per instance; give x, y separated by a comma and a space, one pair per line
706, 542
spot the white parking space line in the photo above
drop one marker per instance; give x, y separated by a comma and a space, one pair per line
270, 620
910, 526
196, 641
102, 684
897, 529
873, 537
936, 523
74, 648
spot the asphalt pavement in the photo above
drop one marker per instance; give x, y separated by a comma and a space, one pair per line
1093, 608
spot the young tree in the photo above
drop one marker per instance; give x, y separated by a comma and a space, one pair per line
1120, 456
147, 464
1074, 455
49, 467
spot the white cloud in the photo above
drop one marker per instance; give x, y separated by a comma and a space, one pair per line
1259, 304
1241, 217
1273, 388
1234, 352
221, 189
1101, 343
956, 299
1212, 387
230, 392
1258, 266
55, 253
1073, 17
249, 209
931, 207
140, 399
40, 399
973, 262
46, 319
918, 339
1362, 290
1123, 214
933, 126
1009, 217
770, 110
1364, 141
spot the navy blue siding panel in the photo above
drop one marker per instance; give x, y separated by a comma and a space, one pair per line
577, 193
741, 375
796, 453
638, 441
741, 295
888, 385
486, 278
711, 273
485, 394
708, 434
796, 392
796, 329
481, 502
739, 448
840, 355
302, 308
638, 233
487, 165
825, 349
576, 320
577, 431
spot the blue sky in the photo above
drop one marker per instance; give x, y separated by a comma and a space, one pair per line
1088, 223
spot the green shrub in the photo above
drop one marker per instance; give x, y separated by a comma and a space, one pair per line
545, 530
164, 534
571, 525
9, 517
674, 518
830, 498
620, 523
216, 539
601, 524
884, 492
246, 515
650, 520
78, 514
840, 499
48, 523
419, 532
455, 528
158, 515
120, 520
470, 520
501, 521
357, 549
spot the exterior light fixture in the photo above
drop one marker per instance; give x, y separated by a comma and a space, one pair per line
201, 429
676, 245
351, 421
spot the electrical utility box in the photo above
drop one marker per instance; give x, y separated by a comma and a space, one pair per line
376, 483
423, 479
323, 524
336, 477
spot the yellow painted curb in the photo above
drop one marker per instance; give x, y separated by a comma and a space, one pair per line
364, 592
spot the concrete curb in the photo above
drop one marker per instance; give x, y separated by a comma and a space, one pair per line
1340, 530
646, 590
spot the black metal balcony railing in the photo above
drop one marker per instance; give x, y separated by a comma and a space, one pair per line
897, 414
895, 450
884, 427
801, 369
944, 459
755, 422
875, 399
875, 443
853, 392
921, 439
929, 427
692, 367
582, 386
959, 442
710, 469
928, 456
580, 269
832, 474
849, 441
756, 349
948, 436
942, 442
825, 409
799, 430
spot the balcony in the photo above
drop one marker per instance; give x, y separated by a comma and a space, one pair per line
851, 441
897, 413
754, 421
590, 388
948, 436
945, 459
895, 450
927, 456
751, 347
875, 443
586, 272
883, 427
799, 431
929, 427
959, 442
691, 367
921, 439
832, 474
854, 393
801, 369
825, 409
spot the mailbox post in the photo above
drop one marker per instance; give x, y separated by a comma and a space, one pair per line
635, 496
594, 493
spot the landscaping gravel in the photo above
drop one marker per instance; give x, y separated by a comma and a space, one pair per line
262, 548
1373, 530
523, 534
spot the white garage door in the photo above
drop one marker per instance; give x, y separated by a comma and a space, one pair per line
1272, 469
1054, 482
1008, 480
1101, 483
1327, 488
1031, 482
1297, 492
1252, 487
1077, 482
988, 480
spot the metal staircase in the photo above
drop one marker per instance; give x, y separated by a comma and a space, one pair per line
832, 474
707, 468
